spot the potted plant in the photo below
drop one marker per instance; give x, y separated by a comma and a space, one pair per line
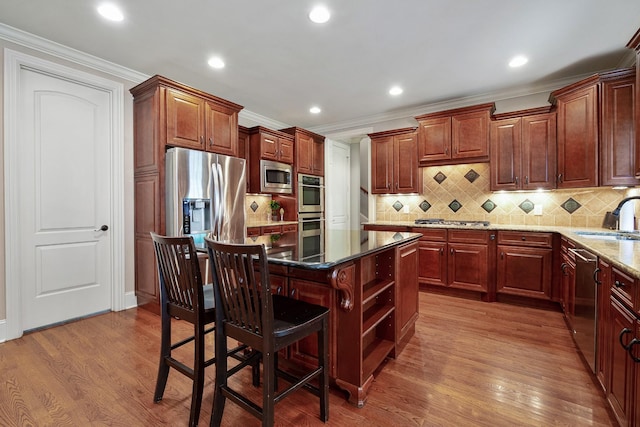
275, 206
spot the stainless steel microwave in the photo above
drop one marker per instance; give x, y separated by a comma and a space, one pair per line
275, 177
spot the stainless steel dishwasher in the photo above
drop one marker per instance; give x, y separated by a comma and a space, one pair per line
584, 327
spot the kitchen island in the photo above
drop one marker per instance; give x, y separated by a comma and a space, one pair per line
369, 280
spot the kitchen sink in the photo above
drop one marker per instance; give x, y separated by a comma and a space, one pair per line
609, 235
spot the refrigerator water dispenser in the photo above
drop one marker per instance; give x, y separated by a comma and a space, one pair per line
196, 216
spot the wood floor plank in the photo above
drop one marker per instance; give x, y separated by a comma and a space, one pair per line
470, 363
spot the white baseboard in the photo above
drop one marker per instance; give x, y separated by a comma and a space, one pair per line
3, 330
130, 300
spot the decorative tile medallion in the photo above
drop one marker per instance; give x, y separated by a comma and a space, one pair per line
425, 206
397, 206
455, 205
488, 206
570, 205
440, 177
254, 206
527, 206
472, 175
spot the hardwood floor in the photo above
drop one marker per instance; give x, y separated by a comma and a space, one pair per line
470, 363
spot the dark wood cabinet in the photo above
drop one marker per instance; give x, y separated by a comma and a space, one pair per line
603, 283
523, 150
468, 263
622, 328
524, 264
394, 163
617, 128
406, 290
166, 114
634, 43
454, 136
568, 281
269, 144
243, 152
309, 148
577, 108
432, 253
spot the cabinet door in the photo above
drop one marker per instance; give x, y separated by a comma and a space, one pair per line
433, 263
304, 153
578, 139
406, 289
539, 152
468, 266
317, 158
306, 350
603, 357
405, 164
381, 165
222, 131
286, 150
506, 144
470, 136
524, 271
269, 147
434, 139
622, 327
185, 120
568, 285
617, 135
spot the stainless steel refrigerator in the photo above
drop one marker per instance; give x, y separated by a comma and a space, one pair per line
205, 195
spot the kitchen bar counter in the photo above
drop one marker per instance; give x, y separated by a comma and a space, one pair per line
623, 254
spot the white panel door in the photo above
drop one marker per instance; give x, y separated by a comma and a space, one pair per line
337, 185
64, 180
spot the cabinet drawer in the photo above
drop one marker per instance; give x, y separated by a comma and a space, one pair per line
624, 287
431, 234
468, 236
253, 231
525, 238
288, 228
272, 229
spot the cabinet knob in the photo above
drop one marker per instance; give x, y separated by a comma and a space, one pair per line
559, 178
516, 180
526, 179
451, 251
524, 238
210, 141
618, 284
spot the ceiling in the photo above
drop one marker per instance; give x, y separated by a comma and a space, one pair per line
279, 63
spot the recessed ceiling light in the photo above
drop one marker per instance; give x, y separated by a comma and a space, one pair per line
216, 62
319, 14
518, 61
315, 110
111, 12
395, 91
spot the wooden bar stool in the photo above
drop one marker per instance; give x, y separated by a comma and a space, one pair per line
266, 323
183, 296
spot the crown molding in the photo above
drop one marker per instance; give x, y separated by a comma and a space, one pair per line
58, 50
448, 104
250, 119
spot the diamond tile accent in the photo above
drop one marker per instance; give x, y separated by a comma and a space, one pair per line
254, 206
472, 175
397, 206
527, 206
425, 206
570, 205
440, 177
488, 206
455, 205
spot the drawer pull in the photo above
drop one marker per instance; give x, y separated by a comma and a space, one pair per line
622, 333
619, 284
595, 276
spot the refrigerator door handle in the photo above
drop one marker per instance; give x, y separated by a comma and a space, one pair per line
216, 202
222, 208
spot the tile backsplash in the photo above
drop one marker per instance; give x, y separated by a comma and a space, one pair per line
461, 192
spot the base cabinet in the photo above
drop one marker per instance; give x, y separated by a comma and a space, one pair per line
525, 264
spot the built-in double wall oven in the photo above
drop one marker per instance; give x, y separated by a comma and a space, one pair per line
311, 215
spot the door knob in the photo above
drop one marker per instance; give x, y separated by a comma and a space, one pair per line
105, 227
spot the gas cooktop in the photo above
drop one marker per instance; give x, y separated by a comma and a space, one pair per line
440, 221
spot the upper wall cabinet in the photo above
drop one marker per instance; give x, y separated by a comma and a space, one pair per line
189, 118
596, 132
618, 164
270, 144
634, 43
454, 136
394, 163
309, 148
523, 150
